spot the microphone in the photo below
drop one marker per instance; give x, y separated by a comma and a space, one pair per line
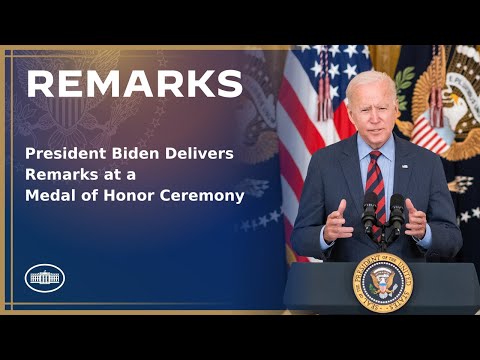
397, 203
368, 217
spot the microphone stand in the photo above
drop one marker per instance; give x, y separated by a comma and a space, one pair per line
383, 244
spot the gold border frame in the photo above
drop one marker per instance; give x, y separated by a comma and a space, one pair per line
2, 184
2, 181
145, 47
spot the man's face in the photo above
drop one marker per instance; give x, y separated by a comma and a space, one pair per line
373, 111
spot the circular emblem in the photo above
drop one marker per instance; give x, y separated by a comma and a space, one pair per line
382, 282
44, 278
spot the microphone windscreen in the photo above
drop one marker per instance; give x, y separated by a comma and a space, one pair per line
370, 198
397, 200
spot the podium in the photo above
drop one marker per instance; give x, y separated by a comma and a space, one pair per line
438, 288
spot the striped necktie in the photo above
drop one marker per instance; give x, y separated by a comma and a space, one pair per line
375, 184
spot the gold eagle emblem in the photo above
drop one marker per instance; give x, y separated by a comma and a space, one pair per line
381, 287
460, 84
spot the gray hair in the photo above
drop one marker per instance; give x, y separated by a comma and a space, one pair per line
368, 77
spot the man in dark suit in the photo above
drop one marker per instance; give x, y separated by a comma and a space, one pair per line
329, 226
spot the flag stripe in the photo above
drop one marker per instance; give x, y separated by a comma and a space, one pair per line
290, 171
290, 201
441, 148
426, 136
436, 143
344, 126
430, 134
297, 114
419, 128
300, 83
292, 141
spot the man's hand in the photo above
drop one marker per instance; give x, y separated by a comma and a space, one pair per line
334, 227
417, 225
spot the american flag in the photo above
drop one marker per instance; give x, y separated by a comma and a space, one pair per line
302, 129
423, 134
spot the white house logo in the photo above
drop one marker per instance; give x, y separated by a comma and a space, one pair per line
44, 278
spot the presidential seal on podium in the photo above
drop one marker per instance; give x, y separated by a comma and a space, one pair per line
382, 282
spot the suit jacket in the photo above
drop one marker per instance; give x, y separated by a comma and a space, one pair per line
334, 174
